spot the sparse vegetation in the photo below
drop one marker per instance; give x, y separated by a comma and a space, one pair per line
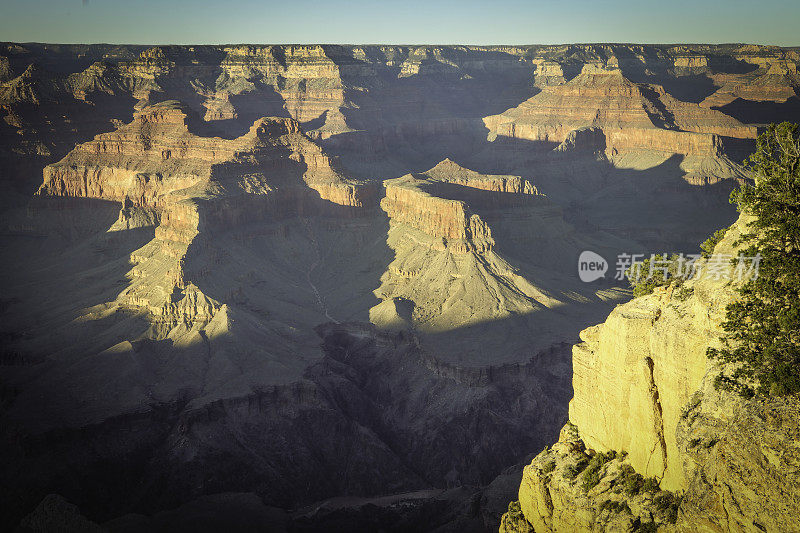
572, 471
647, 527
668, 503
615, 506
631, 484
629, 481
514, 519
655, 271
549, 467
650, 484
682, 293
707, 246
591, 476
761, 340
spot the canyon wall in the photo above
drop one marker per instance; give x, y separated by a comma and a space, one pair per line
384, 95
634, 116
644, 405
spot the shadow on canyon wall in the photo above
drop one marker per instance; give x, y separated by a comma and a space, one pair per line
365, 412
751, 112
53, 132
373, 413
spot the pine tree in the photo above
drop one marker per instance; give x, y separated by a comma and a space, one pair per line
762, 328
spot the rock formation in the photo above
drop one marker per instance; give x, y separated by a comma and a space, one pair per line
645, 406
447, 268
264, 277
634, 116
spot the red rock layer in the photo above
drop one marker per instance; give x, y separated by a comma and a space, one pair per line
449, 222
634, 116
156, 160
426, 203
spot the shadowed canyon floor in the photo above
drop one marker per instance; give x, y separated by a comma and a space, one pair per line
332, 286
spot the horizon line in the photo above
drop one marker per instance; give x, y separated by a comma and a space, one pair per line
528, 45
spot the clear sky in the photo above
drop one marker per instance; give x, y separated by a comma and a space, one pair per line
400, 22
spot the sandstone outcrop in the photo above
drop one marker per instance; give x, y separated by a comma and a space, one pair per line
448, 221
739, 456
643, 388
182, 183
155, 160
377, 96
776, 80
437, 202
447, 275
634, 116
741, 462
436, 237
553, 498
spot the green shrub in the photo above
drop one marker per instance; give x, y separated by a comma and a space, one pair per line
632, 483
572, 471
591, 476
655, 271
647, 527
760, 339
668, 503
614, 506
683, 293
663, 500
708, 245
650, 485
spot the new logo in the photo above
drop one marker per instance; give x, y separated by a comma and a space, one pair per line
591, 266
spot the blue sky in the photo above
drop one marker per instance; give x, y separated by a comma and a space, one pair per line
406, 22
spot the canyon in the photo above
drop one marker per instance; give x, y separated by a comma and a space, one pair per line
335, 287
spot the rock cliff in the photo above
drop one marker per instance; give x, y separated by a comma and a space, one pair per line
667, 450
447, 272
190, 187
156, 160
385, 96
634, 115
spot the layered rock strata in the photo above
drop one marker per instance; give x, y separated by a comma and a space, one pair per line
716, 462
634, 116
447, 273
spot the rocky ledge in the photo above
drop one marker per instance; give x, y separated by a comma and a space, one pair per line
651, 445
